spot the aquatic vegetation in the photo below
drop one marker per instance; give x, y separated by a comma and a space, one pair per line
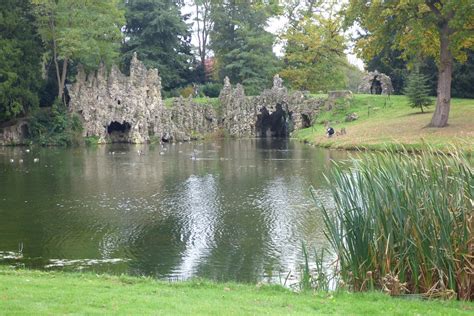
405, 223
315, 278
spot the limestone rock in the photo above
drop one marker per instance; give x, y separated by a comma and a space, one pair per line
376, 83
14, 132
245, 116
117, 108
351, 117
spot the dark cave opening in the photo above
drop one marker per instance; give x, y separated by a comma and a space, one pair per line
306, 120
276, 124
118, 132
376, 86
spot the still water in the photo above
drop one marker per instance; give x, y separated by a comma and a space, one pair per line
226, 210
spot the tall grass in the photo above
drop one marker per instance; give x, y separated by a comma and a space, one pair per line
314, 278
405, 223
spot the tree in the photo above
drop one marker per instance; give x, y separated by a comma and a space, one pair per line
157, 31
390, 62
79, 31
314, 53
438, 28
243, 48
20, 59
417, 90
463, 78
204, 25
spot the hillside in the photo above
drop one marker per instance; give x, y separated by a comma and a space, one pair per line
390, 122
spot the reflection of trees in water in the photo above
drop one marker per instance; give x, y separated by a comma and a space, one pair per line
157, 248
229, 215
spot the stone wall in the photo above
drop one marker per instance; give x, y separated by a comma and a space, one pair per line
114, 107
14, 133
242, 114
134, 103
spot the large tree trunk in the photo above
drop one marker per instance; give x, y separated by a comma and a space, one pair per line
445, 70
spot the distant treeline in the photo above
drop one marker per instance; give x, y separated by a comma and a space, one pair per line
42, 42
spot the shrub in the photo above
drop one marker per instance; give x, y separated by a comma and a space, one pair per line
404, 220
187, 91
56, 127
211, 90
417, 91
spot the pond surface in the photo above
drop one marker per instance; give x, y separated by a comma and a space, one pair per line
226, 210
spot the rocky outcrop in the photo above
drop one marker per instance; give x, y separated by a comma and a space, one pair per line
273, 112
14, 133
119, 108
115, 107
376, 83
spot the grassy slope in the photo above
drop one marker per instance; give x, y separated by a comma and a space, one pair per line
23, 292
392, 122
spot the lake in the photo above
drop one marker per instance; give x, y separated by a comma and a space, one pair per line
225, 210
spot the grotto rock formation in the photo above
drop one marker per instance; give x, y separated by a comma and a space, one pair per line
117, 108
275, 112
376, 83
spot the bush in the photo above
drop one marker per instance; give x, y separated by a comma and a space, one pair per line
404, 221
211, 90
55, 127
187, 91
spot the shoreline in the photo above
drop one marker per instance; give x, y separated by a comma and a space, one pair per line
26, 291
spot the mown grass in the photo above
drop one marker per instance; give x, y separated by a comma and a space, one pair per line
405, 221
391, 123
32, 292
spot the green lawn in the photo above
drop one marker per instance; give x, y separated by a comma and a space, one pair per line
26, 292
388, 122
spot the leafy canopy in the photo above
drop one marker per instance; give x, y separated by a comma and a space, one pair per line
83, 31
413, 26
20, 59
314, 54
242, 46
157, 31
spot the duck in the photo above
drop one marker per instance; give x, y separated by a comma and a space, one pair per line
36, 160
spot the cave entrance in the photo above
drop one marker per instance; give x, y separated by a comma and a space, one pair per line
276, 124
376, 86
305, 120
25, 131
118, 132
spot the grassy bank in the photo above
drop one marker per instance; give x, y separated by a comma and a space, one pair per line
24, 292
389, 122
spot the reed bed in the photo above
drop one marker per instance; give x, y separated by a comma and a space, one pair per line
405, 223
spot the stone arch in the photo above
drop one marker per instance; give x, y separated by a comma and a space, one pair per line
277, 123
376, 86
305, 120
119, 132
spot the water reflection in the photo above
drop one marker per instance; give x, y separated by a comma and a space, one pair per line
227, 210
